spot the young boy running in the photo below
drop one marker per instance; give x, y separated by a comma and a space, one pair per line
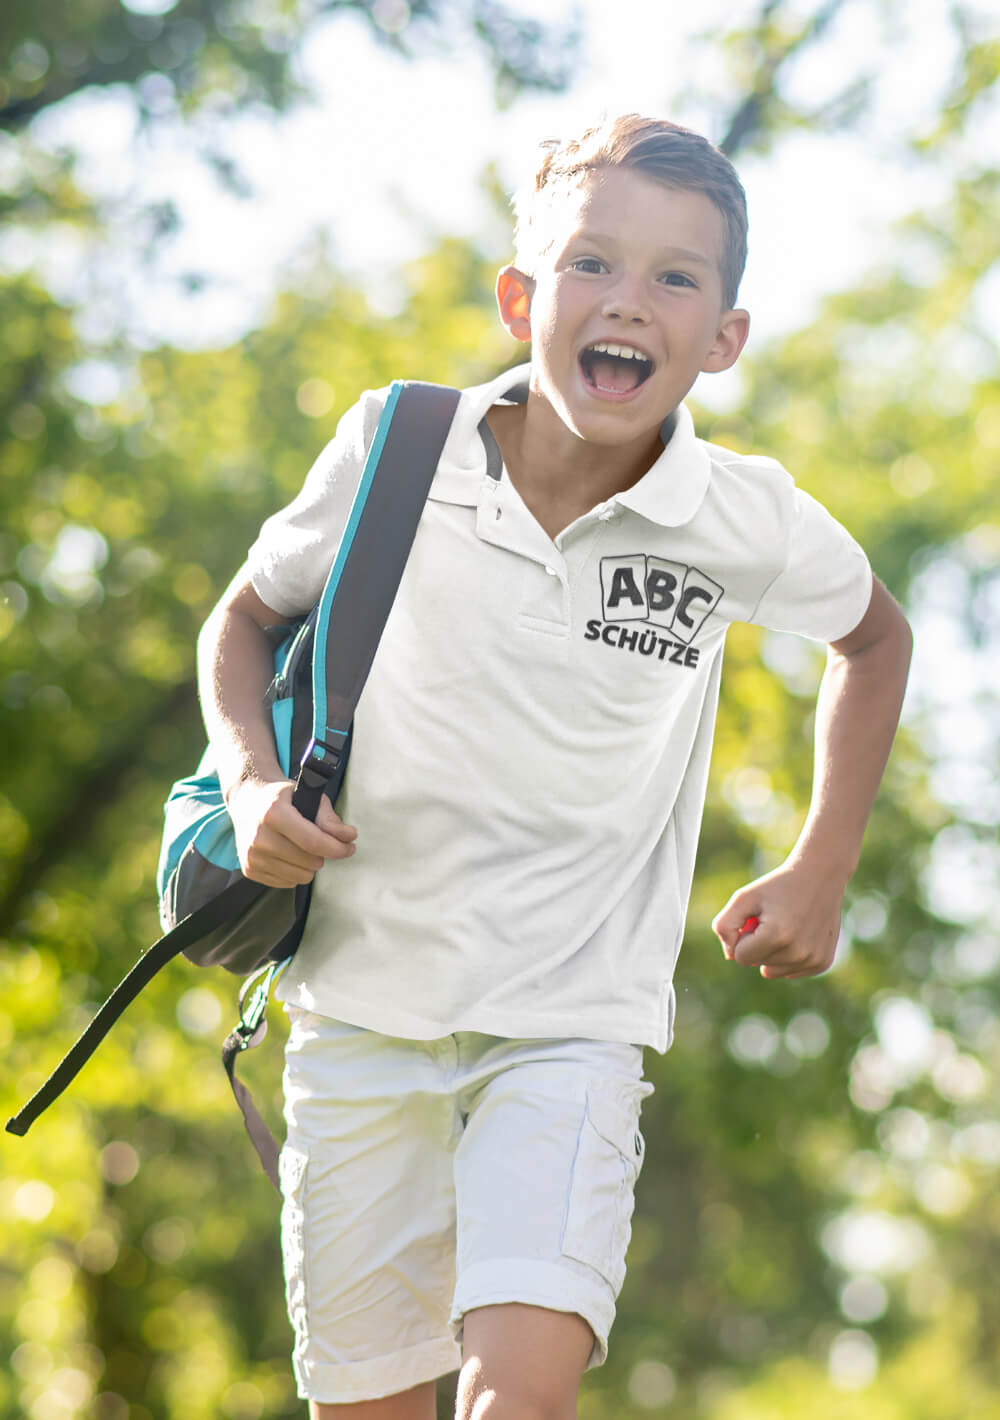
493, 945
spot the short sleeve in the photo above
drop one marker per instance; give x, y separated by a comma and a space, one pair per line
825, 585
296, 546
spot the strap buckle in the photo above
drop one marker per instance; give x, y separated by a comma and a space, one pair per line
317, 770
251, 1028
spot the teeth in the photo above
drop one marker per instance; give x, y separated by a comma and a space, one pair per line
624, 352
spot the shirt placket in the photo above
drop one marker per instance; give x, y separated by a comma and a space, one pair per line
545, 604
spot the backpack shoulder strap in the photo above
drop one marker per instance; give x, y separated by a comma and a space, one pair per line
405, 452
363, 580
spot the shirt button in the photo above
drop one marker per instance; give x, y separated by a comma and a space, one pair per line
552, 571
609, 513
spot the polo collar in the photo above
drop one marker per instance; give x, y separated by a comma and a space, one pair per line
670, 493
471, 452
674, 488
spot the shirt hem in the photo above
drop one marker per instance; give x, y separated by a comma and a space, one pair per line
403, 1025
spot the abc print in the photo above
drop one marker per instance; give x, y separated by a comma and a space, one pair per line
652, 589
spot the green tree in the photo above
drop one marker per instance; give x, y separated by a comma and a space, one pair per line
221, 48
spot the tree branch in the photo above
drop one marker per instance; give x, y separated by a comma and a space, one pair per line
753, 116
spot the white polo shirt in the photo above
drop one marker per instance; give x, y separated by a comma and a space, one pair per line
531, 749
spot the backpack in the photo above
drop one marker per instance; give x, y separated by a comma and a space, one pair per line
210, 912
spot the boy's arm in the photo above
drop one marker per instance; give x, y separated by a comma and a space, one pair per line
798, 905
275, 843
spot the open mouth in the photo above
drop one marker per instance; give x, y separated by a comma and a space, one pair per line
614, 369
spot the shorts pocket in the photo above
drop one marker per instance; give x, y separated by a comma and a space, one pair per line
609, 1155
293, 1166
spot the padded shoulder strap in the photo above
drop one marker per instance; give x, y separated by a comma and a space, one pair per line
363, 580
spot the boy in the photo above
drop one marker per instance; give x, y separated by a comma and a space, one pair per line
491, 948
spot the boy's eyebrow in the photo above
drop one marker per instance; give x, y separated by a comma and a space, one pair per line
682, 254
668, 253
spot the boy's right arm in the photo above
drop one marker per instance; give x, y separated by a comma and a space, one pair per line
276, 844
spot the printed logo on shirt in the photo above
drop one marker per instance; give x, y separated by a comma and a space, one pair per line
670, 601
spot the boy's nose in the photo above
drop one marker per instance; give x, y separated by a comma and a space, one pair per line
626, 302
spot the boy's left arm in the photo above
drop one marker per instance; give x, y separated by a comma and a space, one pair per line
798, 905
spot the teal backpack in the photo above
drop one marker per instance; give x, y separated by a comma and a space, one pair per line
210, 912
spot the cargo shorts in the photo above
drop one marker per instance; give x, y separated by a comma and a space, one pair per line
424, 1178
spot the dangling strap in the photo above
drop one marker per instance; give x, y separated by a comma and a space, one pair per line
230, 904
250, 1030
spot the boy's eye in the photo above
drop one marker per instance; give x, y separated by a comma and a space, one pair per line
677, 278
589, 264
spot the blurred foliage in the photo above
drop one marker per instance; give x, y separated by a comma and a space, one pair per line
234, 54
817, 1224
189, 69
762, 55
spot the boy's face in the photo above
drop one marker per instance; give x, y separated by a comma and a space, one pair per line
635, 266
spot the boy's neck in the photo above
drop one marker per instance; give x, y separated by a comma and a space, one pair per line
558, 476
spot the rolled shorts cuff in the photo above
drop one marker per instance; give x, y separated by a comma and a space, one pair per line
537, 1284
385, 1375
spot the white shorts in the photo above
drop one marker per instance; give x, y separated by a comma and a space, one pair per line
423, 1178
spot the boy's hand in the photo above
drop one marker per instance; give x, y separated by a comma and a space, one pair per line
797, 913
276, 844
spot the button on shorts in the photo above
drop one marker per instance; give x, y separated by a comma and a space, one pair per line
424, 1178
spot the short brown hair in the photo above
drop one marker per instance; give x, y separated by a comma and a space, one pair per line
669, 154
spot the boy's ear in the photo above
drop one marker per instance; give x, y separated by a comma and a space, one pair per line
514, 293
730, 339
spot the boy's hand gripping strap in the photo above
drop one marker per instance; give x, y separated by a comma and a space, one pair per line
408, 442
